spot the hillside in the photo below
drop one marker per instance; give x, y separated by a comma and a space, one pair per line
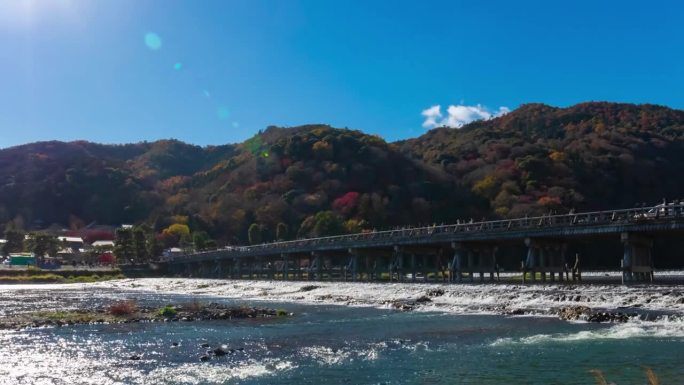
540, 158
317, 180
295, 176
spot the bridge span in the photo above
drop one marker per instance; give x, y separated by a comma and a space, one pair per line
451, 253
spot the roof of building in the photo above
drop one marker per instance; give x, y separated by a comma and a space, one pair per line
71, 239
103, 243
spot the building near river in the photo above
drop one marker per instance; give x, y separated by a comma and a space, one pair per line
22, 259
103, 245
74, 243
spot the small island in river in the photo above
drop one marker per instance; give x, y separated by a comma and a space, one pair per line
130, 312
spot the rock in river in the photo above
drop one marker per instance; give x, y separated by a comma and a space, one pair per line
220, 352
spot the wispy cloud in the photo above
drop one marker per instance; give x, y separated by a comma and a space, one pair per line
458, 115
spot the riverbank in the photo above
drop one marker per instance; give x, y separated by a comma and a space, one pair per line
47, 276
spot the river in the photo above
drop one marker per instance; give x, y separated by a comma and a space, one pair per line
350, 333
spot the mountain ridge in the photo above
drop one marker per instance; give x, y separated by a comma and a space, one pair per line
533, 160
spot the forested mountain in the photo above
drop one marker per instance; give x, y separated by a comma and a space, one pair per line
540, 158
317, 180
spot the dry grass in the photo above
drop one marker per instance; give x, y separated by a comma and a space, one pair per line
601, 380
122, 308
598, 376
32, 278
652, 378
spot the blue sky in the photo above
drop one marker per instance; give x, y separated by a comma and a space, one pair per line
213, 72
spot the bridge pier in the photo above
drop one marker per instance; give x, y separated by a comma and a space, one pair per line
472, 258
423, 260
237, 271
368, 264
314, 265
637, 260
397, 265
286, 266
204, 270
298, 271
225, 268
218, 270
352, 266
188, 269
545, 256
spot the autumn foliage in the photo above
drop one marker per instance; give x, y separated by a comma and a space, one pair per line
316, 180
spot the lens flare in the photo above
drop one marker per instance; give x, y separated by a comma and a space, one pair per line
153, 41
178, 66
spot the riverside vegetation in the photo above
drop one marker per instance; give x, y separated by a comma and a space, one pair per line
130, 312
35, 275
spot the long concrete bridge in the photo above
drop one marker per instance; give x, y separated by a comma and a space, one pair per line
452, 253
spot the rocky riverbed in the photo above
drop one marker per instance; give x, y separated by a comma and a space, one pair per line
130, 312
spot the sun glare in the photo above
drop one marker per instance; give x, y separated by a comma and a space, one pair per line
29, 12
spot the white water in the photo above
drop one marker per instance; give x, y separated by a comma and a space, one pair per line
457, 299
663, 328
539, 300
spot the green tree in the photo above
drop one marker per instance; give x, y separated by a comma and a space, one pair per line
323, 224
15, 242
327, 224
124, 248
281, 232
154, 247
140, 245
254, 234
200, 240
41, 244
211, 244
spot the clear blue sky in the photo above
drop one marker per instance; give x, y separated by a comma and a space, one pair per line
221, 70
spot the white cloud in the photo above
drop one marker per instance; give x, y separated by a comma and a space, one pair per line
459, 115
431, 115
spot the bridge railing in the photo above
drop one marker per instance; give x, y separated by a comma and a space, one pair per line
595, 218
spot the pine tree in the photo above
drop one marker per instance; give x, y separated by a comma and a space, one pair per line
15, 242
281, 232
254, 234
123, 245
140, 245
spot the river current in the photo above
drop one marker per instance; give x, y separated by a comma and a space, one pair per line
350, 333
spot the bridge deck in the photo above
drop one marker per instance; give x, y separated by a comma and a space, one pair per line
646, 220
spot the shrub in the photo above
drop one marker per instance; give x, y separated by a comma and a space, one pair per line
33, 278
282, 313
123, 308
83, 279
167, 311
